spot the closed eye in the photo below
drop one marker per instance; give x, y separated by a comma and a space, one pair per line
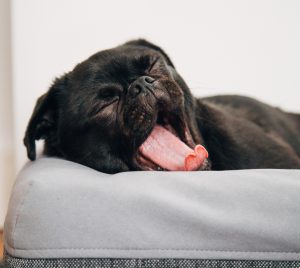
105, 98
153, 64
109, 94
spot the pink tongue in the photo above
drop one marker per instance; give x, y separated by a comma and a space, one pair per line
169, 152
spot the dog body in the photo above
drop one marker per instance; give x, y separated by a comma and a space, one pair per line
127, 108
243, 133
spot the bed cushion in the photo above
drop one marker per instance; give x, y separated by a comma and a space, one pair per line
60, 210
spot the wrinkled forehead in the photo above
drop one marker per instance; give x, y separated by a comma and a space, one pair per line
118, 64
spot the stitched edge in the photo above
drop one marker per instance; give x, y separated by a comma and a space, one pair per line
158, 249
8, 248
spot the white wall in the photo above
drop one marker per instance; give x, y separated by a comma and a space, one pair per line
246, 47
6, 119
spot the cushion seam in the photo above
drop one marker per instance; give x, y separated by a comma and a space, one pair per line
159, 249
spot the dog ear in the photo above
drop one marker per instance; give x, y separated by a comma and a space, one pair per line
145, 43
42, 123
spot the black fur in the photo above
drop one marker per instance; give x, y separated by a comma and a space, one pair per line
101, 112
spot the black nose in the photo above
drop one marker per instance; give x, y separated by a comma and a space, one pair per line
142, 84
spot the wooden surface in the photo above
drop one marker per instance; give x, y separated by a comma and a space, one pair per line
1, 245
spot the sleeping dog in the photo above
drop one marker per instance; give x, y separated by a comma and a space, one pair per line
127, 108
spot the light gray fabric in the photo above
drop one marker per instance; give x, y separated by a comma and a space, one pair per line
60, 209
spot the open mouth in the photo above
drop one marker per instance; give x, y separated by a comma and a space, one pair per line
170, 147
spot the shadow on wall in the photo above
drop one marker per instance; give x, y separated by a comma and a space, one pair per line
6, 110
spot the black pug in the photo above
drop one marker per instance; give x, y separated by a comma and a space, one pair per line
127, 108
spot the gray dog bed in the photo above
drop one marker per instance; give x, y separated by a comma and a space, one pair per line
63, 214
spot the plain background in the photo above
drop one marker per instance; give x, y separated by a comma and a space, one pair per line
7, 153
220, 47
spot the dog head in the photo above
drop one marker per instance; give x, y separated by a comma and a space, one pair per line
104, 113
